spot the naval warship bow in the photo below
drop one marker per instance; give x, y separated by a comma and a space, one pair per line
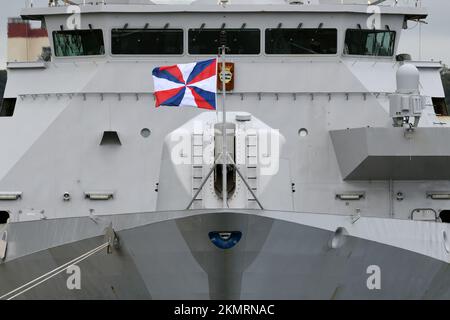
337, 183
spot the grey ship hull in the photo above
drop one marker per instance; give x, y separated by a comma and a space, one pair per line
275, 259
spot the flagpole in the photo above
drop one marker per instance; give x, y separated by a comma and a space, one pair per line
224, 135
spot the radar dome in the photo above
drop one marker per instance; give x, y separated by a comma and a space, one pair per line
408, 78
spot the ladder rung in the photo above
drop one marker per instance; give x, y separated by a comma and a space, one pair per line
251, 178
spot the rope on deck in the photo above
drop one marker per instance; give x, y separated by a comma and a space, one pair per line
49, 275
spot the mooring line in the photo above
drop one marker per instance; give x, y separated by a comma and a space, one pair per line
30, 285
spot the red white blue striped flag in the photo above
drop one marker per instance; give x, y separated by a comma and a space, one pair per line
187, 85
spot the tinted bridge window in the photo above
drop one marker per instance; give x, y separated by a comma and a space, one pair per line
239, 41
78, 43
147, 41
301, 41
370, 42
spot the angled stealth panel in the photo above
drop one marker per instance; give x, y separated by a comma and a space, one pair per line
386, 153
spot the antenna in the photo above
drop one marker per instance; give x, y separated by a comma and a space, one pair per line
223, 50
420, 41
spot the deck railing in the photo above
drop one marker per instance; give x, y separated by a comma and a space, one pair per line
392, 3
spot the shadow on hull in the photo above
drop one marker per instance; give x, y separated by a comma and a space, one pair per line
274, 259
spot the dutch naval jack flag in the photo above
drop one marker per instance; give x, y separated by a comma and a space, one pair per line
187, 85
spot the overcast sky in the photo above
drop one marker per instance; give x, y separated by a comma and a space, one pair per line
435, 35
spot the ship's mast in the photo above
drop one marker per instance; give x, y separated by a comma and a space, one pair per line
223, 50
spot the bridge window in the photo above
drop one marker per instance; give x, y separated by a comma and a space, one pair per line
78, 43
440, 107
301, 41
7, 107
370, 42
239, 41
147, 41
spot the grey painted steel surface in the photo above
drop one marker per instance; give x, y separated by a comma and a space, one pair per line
52, 147
103, 276
409, 11
393, 153
274, 260
426, 238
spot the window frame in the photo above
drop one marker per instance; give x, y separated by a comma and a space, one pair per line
8, 107
52, 43
186, 52
435, 100
338, 41
147, 55
394, 49
261, 43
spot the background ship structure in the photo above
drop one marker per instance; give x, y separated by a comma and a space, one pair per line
341, 141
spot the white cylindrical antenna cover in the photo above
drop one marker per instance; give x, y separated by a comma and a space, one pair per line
408, 77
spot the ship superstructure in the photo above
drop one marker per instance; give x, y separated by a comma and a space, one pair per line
340, 141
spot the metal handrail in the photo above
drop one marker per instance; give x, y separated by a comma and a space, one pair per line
392, 3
